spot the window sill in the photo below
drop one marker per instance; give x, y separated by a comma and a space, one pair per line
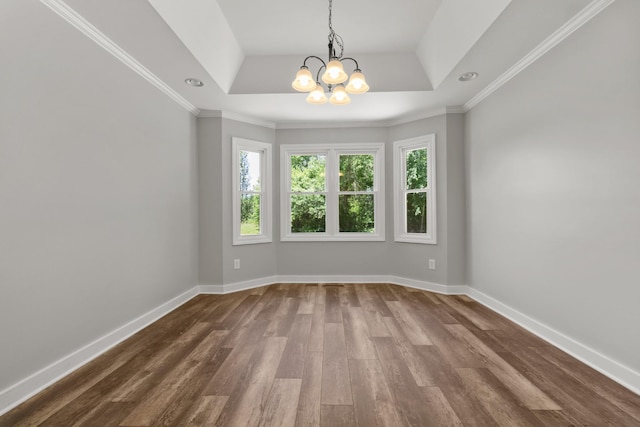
246, 240
418, 240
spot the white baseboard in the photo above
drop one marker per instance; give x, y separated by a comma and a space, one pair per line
621, 374
256, 283
238, 286
26, 388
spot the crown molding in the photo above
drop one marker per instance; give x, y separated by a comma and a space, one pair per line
210, 113
379, 123
81, 24
230, 115
581, 18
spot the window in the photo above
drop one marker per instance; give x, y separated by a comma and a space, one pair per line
414, 162
251, 191
332, 192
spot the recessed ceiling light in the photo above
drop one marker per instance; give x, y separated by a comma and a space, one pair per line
194, 82
465, 77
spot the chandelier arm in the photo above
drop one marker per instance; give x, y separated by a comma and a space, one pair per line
304, 64
356, 62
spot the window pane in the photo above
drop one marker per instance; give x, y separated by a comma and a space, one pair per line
356, 172
416, 162
308, 213
416, 212
249, 171
250, 214
356, 213
307, 173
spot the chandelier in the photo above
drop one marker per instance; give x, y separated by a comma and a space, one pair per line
334, 75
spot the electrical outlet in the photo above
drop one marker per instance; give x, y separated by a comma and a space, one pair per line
236, 264
432, 264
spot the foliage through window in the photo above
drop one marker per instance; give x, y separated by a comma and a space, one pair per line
414, 170
332, 193
251, 196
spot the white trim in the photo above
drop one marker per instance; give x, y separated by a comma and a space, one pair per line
306, 278
581, 18
400, 234
598, 361
266, 185
332, 151
85, 27
406, 118
238, 286
17, 393
230, 115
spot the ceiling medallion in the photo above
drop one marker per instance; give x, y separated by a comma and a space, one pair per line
334, 75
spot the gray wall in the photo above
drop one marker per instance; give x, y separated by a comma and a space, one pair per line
210, 200
216, 221
553, 195
98, 193
255, 260
387, 258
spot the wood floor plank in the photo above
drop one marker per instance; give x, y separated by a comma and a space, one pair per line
206, 411
358, 339
385, 293
336, 387
245, 404
232, 319
404, 391
465, 404
321, 294
282, 403
179, 410
420, 370
226, 378
348, 296
308, 299
333, 309
149, 410
375, 322
439, 407
503, 406
579, 401
337, 416
316, 335
293, 357
624, 399
410, 326
474, 317
239, 333
373, 405
528, 393
108, 414
370, 300
209, 363
282, 321
91, 398
308, 414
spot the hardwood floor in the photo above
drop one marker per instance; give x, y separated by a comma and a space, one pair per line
332, 355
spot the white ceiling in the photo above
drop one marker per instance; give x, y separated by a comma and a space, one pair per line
301, 26
248, 51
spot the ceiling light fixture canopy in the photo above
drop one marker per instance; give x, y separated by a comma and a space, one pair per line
334, 75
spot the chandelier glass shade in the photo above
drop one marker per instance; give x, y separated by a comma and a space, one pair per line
334, 75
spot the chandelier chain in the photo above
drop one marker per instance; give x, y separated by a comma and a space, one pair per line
334, 38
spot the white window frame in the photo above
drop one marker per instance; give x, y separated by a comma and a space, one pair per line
400, 190
266, 163
332, 151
